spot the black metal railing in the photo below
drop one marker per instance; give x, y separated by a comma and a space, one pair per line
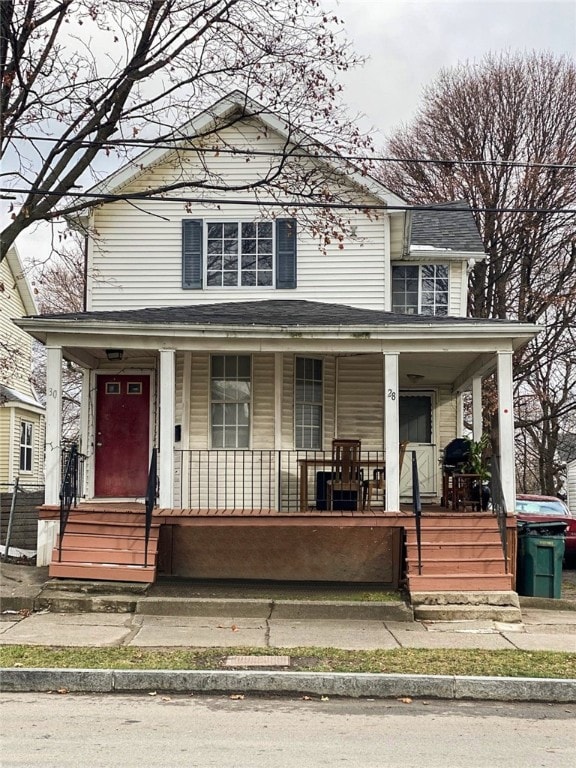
417, 508
257, 481
151, 491
71, 482
499, 506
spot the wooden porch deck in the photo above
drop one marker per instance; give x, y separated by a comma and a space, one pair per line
459, 550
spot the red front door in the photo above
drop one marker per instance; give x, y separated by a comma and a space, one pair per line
122, 436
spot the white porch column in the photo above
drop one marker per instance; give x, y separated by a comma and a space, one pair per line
476, 407
392, 431
506, 429
166, 432
52, 466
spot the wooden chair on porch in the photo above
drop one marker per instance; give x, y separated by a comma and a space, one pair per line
378, 482
346, 478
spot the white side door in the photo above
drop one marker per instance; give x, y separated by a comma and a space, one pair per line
417, 426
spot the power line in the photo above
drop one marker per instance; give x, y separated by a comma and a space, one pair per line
173, 145
155, 196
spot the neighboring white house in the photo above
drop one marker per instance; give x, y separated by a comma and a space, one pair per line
229, 338
21, 412
571, 485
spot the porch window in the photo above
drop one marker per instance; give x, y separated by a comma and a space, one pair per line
249, 254
420, 289
308, 403
26, 446
231, 393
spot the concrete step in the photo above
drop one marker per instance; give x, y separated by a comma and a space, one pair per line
504, 613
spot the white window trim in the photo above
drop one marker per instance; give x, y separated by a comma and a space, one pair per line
26, 446
322, 404
238, 223
210, 401
420, 265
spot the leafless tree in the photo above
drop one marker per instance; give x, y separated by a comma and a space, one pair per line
502, 134
60, 286
81, 80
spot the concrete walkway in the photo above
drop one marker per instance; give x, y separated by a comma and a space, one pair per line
127, 620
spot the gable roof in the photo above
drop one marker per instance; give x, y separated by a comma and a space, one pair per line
20, 280
224, 109
449, 228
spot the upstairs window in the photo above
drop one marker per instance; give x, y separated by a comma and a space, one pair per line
26, 446
229, 254
308, 404
239, 254
420, 289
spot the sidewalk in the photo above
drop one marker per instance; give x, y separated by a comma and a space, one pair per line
231, 623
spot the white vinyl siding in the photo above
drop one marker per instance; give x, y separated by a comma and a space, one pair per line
136, 256
359, 404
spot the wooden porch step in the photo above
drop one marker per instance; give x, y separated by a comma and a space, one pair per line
439, 536
90, 540
103, 572
460, 582
482, 565
114, 518
452, 550
109, 529
97, 554
109, 546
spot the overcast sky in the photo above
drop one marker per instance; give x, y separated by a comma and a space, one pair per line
408, 42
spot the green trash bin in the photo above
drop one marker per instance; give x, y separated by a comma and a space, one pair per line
540, 555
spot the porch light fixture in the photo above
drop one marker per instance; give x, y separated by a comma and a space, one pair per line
414, 377
114, 354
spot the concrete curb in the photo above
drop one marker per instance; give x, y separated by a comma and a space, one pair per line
314, 683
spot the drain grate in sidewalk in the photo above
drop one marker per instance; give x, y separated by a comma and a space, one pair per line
257, 661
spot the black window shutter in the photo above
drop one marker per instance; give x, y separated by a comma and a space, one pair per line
285, 253
192, 253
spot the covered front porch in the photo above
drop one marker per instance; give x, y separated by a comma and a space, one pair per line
256, 444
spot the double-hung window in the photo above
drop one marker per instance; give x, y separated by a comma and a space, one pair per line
308, 403
420, 289
238, 254
26, 432
230, 394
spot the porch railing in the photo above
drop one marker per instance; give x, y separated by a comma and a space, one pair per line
417, 507
499, 506
73, 464
151, 488
285, 481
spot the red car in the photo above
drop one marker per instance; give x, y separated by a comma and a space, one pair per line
532, 508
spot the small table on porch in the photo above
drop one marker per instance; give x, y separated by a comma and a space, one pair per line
328, 463
458, 491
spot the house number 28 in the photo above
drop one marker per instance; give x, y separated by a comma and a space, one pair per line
391, 394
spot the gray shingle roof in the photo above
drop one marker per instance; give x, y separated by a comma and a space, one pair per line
455, 230
266, 313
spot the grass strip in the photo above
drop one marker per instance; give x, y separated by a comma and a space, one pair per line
504, 663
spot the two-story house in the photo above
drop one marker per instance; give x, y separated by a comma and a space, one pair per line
21, 412
224, 335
